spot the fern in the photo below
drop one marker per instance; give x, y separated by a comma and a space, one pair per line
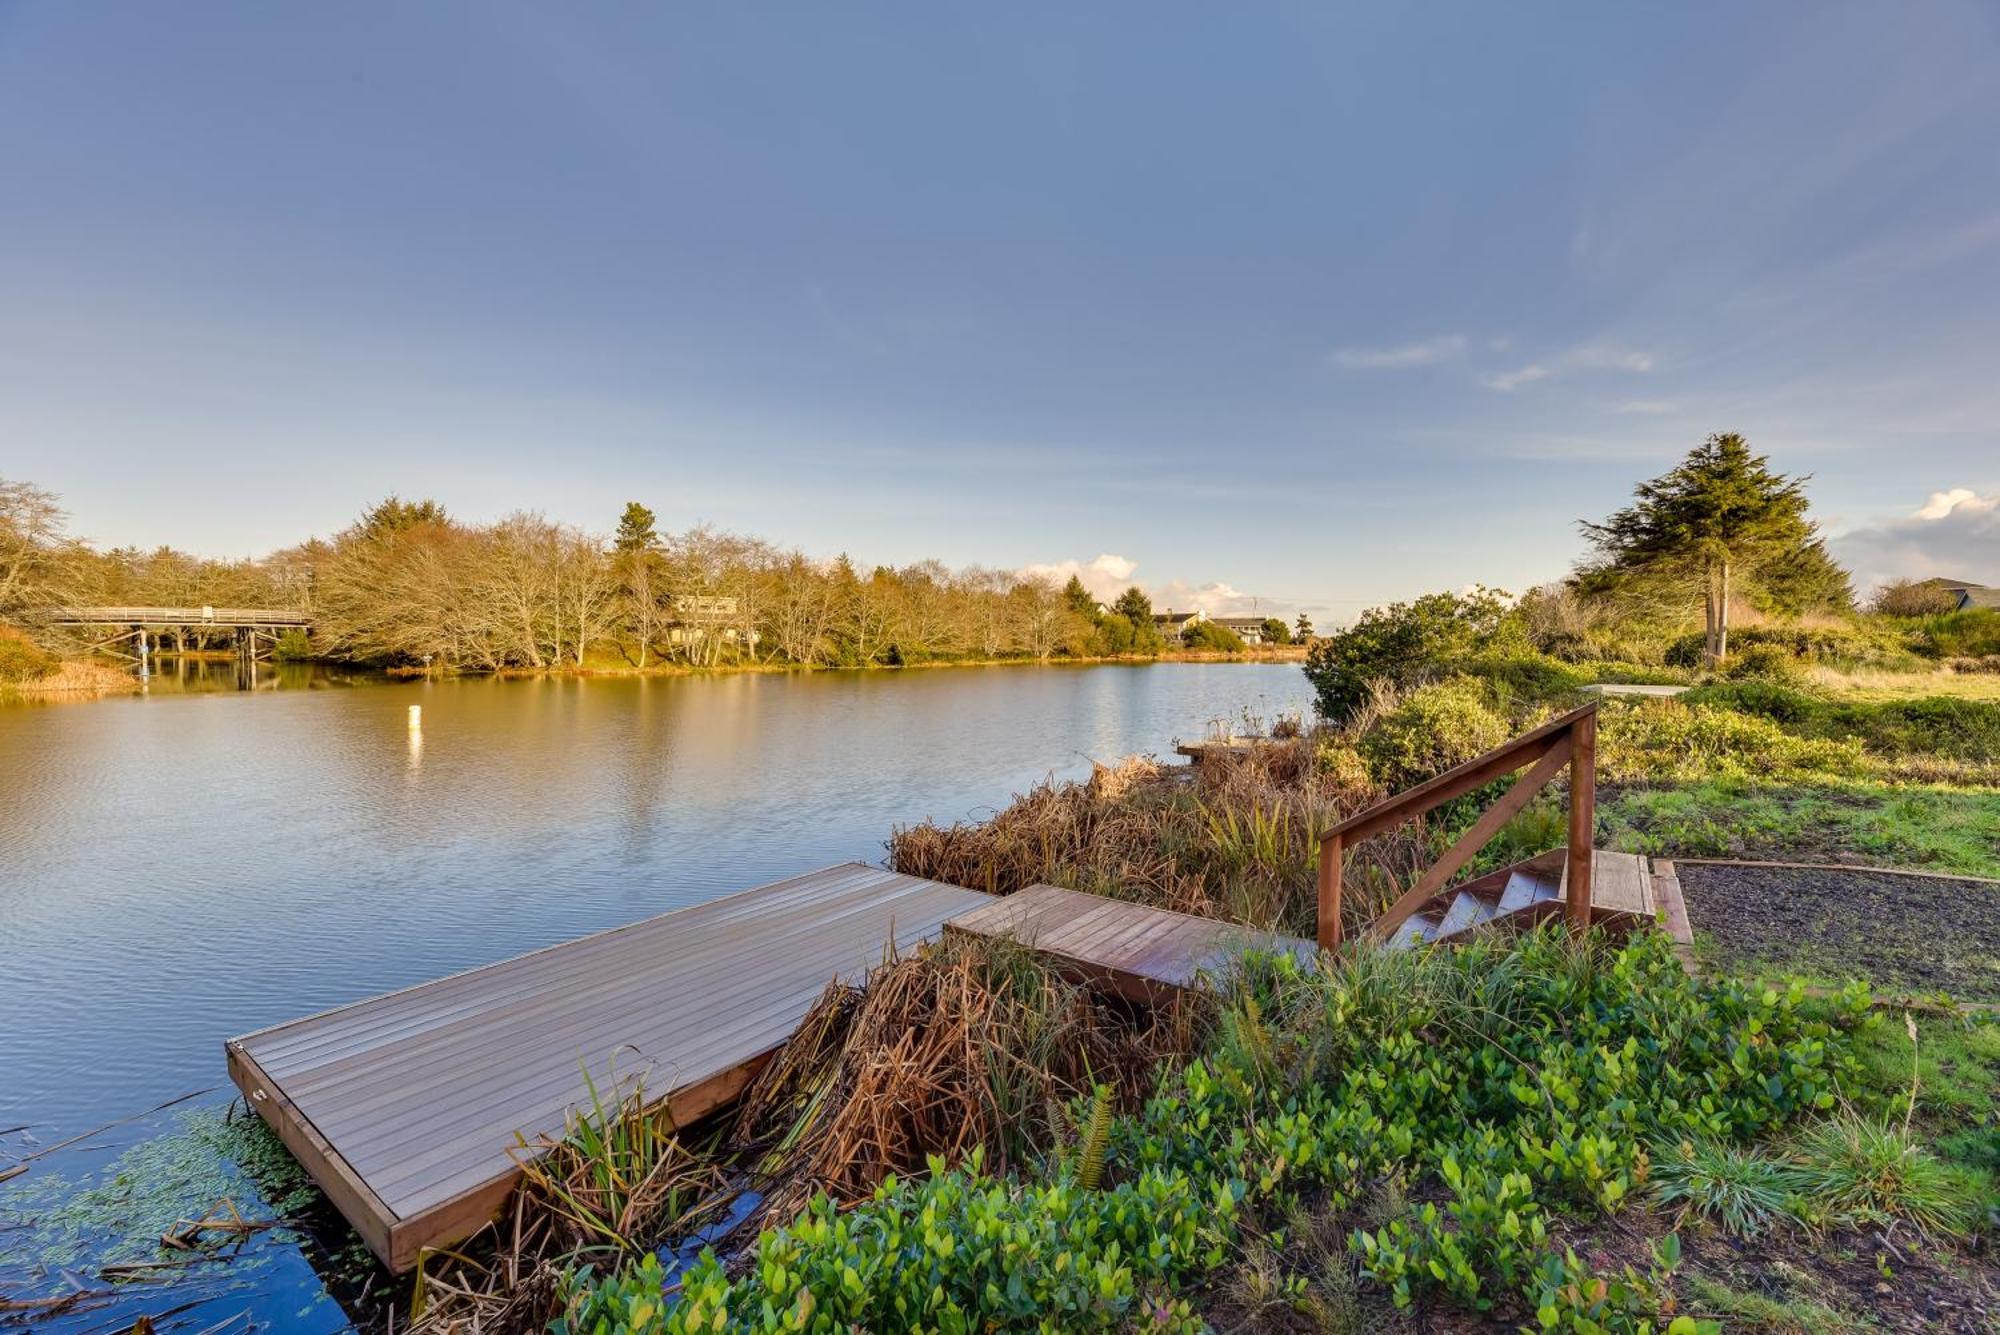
1096, 1138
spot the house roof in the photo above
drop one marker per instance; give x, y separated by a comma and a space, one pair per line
1978, 595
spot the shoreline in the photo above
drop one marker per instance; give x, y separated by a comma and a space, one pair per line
85, 679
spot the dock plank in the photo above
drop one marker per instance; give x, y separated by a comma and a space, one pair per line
404, 1106
1141, 952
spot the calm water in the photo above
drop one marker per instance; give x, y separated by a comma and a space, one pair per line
203, 861
182, 867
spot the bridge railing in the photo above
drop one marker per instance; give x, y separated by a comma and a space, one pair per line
175, 616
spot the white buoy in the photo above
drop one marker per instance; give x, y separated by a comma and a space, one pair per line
416, 718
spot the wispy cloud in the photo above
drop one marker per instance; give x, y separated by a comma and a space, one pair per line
1584, 357
1509, 381
1402, 357
1598, 357
1643, 408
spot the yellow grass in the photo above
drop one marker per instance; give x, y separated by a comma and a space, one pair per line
1875, 684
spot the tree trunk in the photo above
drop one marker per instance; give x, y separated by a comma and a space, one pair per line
1722, 618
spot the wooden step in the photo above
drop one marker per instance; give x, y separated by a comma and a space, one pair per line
1525, 889
1467, 911
1414, 931
1620, 883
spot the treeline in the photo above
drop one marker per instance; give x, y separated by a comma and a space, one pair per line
408, 584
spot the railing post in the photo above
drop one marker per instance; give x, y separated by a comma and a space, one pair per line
1330, 852
1582, 819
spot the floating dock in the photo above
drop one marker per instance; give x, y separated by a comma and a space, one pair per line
404, 1107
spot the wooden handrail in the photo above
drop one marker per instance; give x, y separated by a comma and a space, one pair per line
1568, 740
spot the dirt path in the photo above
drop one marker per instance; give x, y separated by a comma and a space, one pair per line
1904, 933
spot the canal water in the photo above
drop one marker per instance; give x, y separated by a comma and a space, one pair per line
192, 864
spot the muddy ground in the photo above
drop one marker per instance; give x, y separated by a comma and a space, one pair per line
1919, 934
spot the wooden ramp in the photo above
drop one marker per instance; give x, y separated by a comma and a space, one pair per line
404, 1107
1145, 954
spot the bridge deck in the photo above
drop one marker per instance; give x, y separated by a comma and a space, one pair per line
1142, 953
404, 1107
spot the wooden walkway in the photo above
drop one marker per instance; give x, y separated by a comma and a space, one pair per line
404, 1107
1142, 953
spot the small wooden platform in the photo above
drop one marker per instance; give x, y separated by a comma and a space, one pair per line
1144, 954
404, 1107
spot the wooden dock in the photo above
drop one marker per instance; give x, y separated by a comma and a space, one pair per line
1139, 952
404, 1107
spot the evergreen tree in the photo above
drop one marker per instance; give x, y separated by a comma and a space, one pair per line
1134, 606
1276, 631
396, 515
635, 530
1720, 524
1302, 630
1078, 599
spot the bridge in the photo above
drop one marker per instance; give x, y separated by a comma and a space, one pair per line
133, 630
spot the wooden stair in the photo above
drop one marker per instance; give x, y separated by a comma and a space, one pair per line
1527, 892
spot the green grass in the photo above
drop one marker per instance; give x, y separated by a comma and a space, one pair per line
1952, 830
1756, 1311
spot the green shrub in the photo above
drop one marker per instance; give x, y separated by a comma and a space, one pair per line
1431, 730
959, 1251
1528, 678
1403, 642
21, 659
1208, 635
1973, 633
1673, 739
1764, 662
294, 646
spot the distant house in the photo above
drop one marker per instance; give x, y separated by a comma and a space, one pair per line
1967, 593
700, 615
1248, 629
1174, 626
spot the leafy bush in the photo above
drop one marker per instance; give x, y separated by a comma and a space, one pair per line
1937, 725
1403, 642
1973, 633
1674, 739
1524, 1081
1529, 678
1908, 598
1764, 662
959, 1251
294, 646
1208, 635
21, 659
1431, 730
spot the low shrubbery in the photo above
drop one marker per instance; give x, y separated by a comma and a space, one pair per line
1445, 1110
21, 659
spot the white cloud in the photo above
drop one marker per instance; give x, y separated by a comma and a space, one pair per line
1943, 504
1216, 600
1509, 381
1106, 575
1954, 534
1429, 352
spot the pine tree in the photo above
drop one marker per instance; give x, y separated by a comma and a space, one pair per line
1720, 523
635, 530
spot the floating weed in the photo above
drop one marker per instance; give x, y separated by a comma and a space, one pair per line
119, 1215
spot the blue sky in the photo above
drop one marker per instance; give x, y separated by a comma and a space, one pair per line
1314, 304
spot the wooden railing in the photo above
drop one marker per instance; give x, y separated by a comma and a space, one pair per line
175, 616
1570, 740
